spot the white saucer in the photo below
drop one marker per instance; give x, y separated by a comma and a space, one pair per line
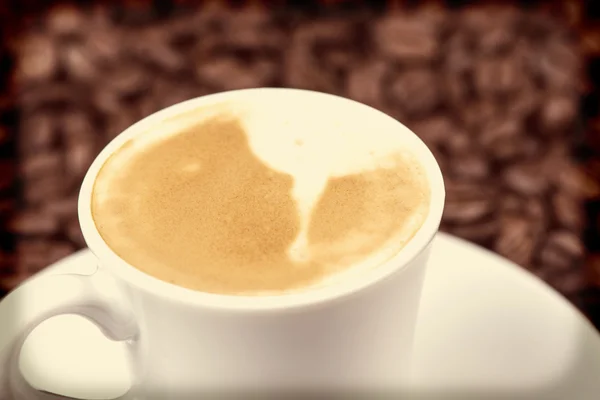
487, 330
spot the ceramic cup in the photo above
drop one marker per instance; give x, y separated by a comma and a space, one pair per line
354, 335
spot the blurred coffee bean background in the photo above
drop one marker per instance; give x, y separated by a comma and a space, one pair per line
503, 93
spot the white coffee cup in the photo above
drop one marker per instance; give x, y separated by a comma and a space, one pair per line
353, 335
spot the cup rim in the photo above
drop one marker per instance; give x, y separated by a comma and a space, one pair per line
312, 297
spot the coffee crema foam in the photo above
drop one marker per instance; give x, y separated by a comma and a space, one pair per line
241, 198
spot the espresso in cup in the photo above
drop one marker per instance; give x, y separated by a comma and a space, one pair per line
255, 197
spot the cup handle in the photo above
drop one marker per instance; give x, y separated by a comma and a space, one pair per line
96, 297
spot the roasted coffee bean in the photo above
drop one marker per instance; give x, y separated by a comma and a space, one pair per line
77, 127
228, 74
302, 71
532, 209
173, 95
63, 209
496, 30
365, 82
455, 90
183, 31
415, 91
107, 101
434, 130
515, 239
478, 116
38, 131
497, 131
567, 242
590, 43
37, 59
253, 29
455, 74
536, 210
478, 232
497, 76
512, 204
558, 113
50, 95
481, 20
523, 103
79, 64
567, 211
102, 46
407, 39
265, 72
79, 157
465, 212
33, 222
486, 76
36, 165
561, 250
526, 178
508, 151
332, 32
46, 188
136, 14
569, 283
151, 48
458, 59
539, 26
496, 39
66, 21
127, 80
458, 143
559, 65
339, 59
461, 190
212, 14
571, 178
472, 166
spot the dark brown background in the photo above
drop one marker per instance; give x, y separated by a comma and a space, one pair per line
504, 94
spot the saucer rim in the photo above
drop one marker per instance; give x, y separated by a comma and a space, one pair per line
83, 259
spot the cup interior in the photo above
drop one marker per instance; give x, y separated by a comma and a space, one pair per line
273, 108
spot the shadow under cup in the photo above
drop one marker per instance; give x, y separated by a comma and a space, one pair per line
355, 333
